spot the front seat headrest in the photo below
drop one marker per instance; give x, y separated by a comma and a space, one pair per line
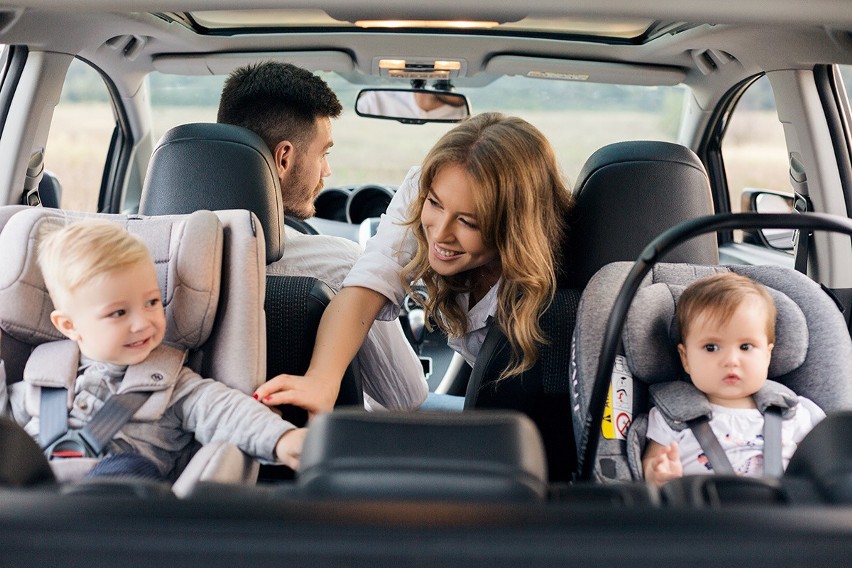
627, 194
216, 166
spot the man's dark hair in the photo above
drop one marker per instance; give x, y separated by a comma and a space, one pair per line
278, 101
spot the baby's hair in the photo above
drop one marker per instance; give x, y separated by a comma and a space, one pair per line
72, 255
718, 297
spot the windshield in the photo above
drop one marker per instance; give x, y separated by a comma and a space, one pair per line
578, 118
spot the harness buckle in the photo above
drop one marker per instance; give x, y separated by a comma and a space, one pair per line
70, 445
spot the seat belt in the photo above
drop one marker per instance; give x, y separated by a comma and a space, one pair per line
710, 444
89, 441
773, 464
801, 204
35, 170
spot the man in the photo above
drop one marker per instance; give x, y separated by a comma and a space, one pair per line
291, 109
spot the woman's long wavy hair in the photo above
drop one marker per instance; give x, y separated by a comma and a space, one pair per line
522, 206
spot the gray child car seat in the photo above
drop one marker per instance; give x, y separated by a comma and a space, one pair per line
211, 272
812, 354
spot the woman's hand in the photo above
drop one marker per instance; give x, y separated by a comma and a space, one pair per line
314, 394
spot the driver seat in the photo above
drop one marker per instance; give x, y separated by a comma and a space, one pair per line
223, 166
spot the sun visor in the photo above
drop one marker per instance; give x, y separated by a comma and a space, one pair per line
584, 71
224, 63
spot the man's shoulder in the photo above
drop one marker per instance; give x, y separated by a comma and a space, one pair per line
325, 257
296, 243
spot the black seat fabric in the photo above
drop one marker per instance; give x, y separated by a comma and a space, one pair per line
628, 193
542, 393
479, 456
223, 166
825, 458
28, 466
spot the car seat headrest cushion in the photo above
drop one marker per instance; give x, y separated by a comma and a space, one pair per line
651, 336
187, 252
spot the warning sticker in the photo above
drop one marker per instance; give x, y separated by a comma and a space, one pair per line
618, 413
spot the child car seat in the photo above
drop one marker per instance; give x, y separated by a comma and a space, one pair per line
210, 267
813, 362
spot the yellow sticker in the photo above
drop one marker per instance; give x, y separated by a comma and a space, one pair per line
618, 413
607, 428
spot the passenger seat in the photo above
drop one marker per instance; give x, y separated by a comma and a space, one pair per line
626, 194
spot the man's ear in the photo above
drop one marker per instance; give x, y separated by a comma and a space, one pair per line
64, 324
283, 155
681, 350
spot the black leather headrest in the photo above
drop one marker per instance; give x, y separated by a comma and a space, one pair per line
487, 455
216, 166
627, 194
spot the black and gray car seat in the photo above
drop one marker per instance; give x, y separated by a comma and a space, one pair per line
210, 267
626, 194
812, 354
222, 166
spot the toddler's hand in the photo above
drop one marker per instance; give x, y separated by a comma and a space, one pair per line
288, 450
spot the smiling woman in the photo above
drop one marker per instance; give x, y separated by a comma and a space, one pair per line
447, 227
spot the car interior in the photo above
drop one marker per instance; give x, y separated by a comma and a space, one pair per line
696, 139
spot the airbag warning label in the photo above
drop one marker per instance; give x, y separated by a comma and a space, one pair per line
619, 402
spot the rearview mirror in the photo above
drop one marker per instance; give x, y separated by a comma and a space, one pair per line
412, 106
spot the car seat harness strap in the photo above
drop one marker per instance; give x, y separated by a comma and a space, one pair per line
684, 406
89, 441
710, 444
773, 464
52, 372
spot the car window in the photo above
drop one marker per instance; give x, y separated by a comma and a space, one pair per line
846, 74
79, 138
4, 61
754, 149
577, 117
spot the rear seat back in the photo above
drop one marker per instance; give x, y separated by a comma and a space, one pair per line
439, 456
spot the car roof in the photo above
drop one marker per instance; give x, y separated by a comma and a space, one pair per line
680, 42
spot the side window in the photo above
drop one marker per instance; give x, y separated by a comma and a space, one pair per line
754, 149
79, 139
757, 169
846, 74
4, 61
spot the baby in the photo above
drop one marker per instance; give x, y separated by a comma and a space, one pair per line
727, 325
106, 296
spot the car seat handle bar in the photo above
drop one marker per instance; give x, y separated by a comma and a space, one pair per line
663, 243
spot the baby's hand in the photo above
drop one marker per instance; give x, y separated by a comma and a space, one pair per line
288, 450
663, 464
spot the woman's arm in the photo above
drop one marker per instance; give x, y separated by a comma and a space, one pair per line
371, 285
342, 330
